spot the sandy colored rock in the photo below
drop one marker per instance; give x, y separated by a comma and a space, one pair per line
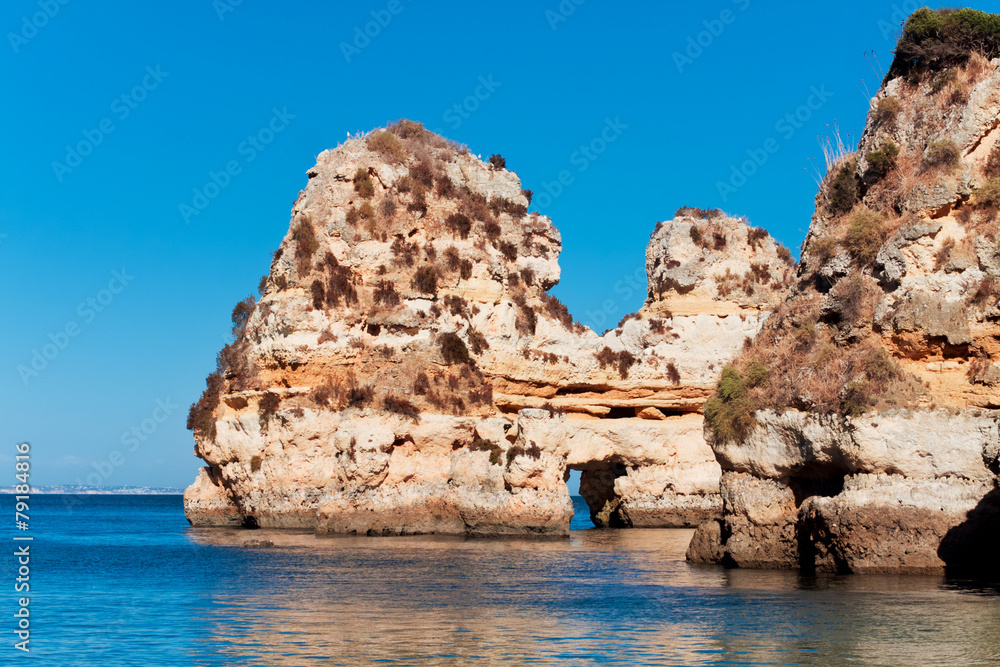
868, 442
406, 371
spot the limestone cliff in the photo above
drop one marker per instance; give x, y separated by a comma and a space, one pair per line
406, 371
857, 433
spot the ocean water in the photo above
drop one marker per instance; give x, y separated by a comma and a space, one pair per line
123, 580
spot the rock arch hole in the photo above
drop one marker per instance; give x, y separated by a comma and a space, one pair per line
597, 488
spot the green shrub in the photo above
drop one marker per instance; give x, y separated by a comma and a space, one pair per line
386, 144
453, 350
756, 374
883, 160
993, 163
404, 184
989, 194
855, 399
943, 154
940, 80
823, 249
887, 110
934, 40
729, 412
844, 190
425, 280
480, 445
864, 236
419, 202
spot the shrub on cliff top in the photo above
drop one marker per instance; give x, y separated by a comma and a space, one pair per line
934, 40
408, 129
498, 162
387, 145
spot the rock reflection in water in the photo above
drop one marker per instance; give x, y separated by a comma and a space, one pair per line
600, 597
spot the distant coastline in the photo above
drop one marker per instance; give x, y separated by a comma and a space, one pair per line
69, 489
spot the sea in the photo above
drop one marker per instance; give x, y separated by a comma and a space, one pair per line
124, 580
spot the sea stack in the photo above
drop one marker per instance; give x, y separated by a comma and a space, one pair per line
405, 369
858, 432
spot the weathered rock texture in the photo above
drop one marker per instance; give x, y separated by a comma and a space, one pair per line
857, 432
406, 371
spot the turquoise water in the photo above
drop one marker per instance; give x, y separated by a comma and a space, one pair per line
124, 581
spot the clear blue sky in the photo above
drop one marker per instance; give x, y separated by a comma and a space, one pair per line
209, 78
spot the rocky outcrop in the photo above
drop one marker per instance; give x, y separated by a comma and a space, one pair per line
857, 432
406, 371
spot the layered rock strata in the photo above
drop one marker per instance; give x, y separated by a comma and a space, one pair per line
858, 432
406, 371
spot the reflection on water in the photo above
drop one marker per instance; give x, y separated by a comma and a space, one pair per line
180, 596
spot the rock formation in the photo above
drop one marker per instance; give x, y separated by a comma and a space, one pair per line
858, 432
406, 371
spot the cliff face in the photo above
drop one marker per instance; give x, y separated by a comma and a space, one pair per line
406, 371
857, 432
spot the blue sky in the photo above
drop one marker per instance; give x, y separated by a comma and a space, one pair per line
118, 113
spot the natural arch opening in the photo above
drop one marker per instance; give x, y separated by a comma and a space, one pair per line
597, 488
